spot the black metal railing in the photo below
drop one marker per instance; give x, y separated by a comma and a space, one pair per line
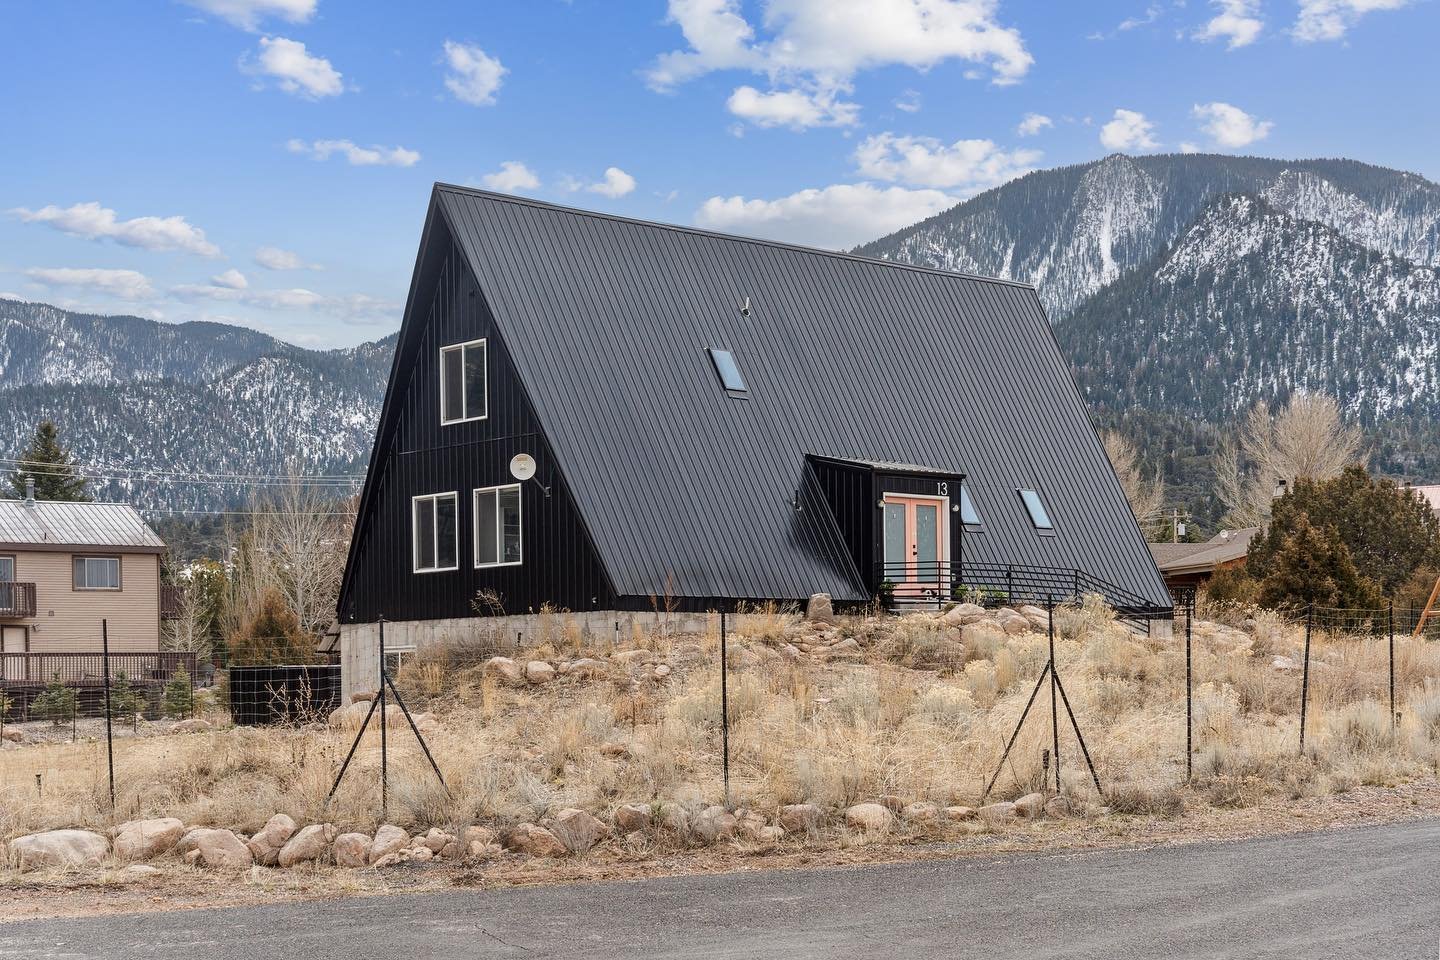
914, 583
17, 599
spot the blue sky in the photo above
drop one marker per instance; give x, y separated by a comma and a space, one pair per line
268, 162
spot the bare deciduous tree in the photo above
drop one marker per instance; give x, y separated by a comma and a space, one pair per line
1306, 440
189, 631
1146, 494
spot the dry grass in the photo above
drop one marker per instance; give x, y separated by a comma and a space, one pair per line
923, 715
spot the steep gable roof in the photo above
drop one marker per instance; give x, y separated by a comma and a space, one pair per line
689, 491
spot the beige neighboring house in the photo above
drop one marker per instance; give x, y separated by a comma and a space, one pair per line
65, 567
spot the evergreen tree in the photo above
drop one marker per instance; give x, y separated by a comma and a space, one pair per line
179, 698
56, 704
272, 637
1313, 566
48, 463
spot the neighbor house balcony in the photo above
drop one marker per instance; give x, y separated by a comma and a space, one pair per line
17, 600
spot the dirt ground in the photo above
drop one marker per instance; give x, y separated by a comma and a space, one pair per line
179, 887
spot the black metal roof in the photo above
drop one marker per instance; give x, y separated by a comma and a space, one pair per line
689, 491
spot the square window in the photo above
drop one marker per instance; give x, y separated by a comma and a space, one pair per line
464, 387
728, 370
497, 526
434, 528
1036, 508
96, 573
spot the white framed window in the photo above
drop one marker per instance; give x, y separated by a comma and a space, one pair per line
464, 382
497, 526
96, 573
434, 532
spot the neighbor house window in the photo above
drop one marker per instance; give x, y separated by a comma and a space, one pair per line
463, 390
7, 569
97, 573
1036, 508
968, 514
728, 370
434, 531
497, 526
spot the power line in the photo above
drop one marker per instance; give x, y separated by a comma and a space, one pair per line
116, 473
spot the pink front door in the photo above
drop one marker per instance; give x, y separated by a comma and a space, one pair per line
915, 545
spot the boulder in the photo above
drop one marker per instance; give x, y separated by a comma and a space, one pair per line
869, 817
480, 835
662, 670
437, 840
59, 848
819, 607
921, 812
147, 839
388, 839
960, 813
893, 803
1058, 808
193, 725
588, 667
218, 849
505, 670
352, 850
630, 817
1038, 617
1030, 806
13, 735
997, 812
539, 672
963, 613
483, 851
265, 845
801, 817
712, 824
534, 841
308, 845
673, 819
631, 658
1015, 624
847, 649
576, 829
420, 854
362, 696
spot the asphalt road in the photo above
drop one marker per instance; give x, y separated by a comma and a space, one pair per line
1367, 892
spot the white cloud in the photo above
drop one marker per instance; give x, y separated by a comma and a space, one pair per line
825, 42
1187, 147
1230, 126
1332, 19
357, 156
1152, 13
792, 108
274, 258
1128, 130
94, 222
837, 217
909, 101
247, 14
616, 183
474, 75
513, 176
358, 307
1237, 23
125, 284
296, 70
969, 165
231, 278
1033, 123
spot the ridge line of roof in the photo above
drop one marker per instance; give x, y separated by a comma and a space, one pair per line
441, 186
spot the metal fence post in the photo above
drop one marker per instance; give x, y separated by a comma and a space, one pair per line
384, 758
109, 737
1054, 706
1305, 675
724, 708
1189, 701
1394, 718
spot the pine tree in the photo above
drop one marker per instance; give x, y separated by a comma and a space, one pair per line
1313, 566
179, 698
48, 463
56, 704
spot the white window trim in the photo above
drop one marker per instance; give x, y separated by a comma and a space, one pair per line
87, 557
462, 347
499, 529
435, 535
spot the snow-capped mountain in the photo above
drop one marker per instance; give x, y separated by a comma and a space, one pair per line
145, 403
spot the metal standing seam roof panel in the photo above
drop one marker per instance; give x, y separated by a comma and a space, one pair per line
688, 490
55, 523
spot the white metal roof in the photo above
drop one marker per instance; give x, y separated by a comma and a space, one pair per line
66, 524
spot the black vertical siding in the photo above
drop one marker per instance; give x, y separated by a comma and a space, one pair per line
424, 456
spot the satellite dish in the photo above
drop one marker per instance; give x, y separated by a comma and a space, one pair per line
522, 466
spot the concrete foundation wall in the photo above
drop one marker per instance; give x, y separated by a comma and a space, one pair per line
360, 642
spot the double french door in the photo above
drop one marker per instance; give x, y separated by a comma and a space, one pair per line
917, 552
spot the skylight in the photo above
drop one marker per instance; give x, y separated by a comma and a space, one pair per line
1036, 507
728, 370
968, 514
